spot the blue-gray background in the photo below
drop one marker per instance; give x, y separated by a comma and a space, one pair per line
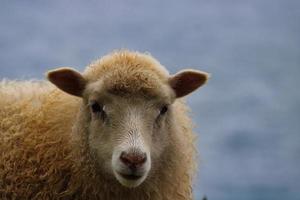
248, 116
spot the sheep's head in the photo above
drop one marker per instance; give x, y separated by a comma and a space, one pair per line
128, 101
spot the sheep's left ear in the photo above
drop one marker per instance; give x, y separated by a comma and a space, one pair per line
187, 81
68, 80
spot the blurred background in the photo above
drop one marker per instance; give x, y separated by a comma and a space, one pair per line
247, 116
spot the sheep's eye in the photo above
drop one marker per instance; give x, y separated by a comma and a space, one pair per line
163, 110
96, 108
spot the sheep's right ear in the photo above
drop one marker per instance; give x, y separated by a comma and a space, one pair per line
68, 80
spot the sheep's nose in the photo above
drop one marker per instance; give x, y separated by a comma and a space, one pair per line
133, 160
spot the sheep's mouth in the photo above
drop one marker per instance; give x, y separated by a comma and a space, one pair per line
131, 176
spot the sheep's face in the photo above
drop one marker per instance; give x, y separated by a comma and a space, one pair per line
127, 134
129, 111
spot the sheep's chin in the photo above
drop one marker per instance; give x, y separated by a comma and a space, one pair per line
129, 183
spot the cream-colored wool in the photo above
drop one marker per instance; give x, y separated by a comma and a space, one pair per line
44, 148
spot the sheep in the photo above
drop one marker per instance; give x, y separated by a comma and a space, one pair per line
119, 130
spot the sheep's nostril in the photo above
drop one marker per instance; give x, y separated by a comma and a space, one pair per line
133, 160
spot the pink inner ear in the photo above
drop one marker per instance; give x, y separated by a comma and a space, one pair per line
68, 80
186, 82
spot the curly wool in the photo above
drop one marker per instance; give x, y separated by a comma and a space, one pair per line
45, 154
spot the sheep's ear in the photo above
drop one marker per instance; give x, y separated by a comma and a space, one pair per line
68, 80
186, 81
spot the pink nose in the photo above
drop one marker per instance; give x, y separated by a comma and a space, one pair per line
133, 160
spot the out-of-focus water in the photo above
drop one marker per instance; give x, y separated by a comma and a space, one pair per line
248, 114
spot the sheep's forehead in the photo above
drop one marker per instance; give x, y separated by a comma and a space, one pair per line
129, 72
140, 85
